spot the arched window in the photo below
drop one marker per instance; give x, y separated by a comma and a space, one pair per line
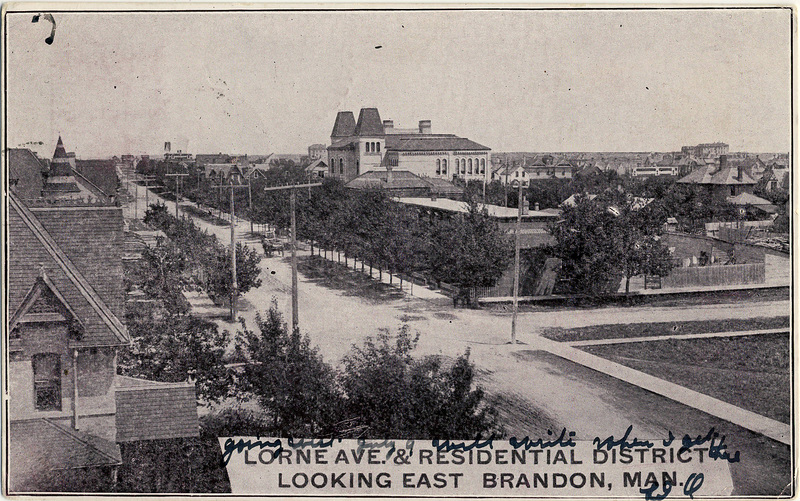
469, 166
438, 166
463, 166
483, 166
378, 146
341, 166
444, 166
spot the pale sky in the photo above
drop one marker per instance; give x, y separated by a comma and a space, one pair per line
261, 82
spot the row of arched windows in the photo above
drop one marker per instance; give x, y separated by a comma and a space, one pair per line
465, 166
372, 147
468, 166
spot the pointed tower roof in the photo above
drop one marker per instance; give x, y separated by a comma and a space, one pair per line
344, 126
61, 179
369, 123
59, 166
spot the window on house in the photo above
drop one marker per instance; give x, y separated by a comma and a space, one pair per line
378, 147
469, 166
483, 166
733, 191
341, 166
516, 174
438, 167
444, 166
463, 166
47, 381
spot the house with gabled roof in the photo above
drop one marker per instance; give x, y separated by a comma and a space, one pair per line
370, 144
68, 410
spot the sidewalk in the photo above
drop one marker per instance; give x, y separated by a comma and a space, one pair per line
643, 339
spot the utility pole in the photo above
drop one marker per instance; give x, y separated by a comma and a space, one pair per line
293, 207
234, 283
147, 179
516, 264
250, 201
293, 204
178, 177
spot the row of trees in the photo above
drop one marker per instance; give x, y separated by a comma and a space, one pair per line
199, 255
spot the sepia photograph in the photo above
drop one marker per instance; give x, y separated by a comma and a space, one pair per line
351, 250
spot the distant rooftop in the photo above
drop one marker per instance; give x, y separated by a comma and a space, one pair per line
496, 211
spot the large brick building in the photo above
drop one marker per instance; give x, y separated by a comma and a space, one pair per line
372, 144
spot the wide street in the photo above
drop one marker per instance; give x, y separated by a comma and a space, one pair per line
335, 321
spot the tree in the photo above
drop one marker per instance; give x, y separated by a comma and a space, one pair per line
469, 249
611, 236
294, 386
391, 394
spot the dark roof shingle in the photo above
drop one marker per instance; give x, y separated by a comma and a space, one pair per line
82, 258
369, 123
148, 410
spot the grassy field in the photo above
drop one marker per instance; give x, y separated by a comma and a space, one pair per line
615, 331
752, 372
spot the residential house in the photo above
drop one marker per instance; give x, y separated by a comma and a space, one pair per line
68, 411
721, 180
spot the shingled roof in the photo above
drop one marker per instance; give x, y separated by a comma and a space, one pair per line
709, 174
345, 124
148, 410
79, 249
431, 142
41, 444
100, 174
25, 173
369, 123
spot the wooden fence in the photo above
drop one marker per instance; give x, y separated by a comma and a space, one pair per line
735, 274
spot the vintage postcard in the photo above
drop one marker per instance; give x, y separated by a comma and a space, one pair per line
398, 251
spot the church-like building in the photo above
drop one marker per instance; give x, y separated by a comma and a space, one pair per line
372, 144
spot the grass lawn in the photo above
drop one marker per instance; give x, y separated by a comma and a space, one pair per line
614, 331
751, 372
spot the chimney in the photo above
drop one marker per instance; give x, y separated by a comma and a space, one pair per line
424, 126
388, 126
739, 174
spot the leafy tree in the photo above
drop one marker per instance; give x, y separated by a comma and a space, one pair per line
469, 249
391, 394
602, 240
172, 348
288, 377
